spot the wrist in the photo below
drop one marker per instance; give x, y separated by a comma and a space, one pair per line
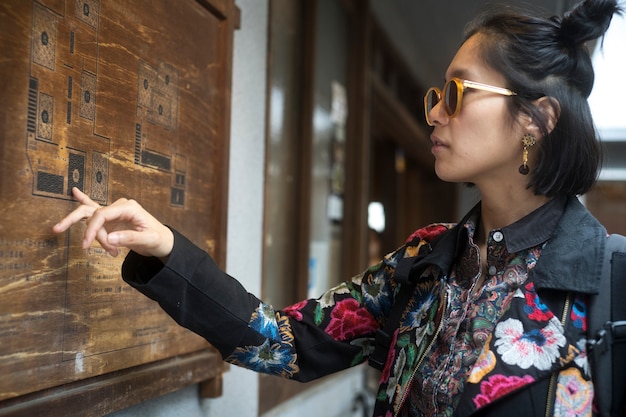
167, 245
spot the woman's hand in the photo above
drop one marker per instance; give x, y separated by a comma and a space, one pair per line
123, 223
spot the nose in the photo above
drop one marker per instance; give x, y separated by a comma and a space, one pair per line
437, 115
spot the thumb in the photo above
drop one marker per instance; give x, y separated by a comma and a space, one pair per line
127, 238
114, 238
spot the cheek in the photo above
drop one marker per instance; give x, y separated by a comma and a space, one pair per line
488, 128
486, 111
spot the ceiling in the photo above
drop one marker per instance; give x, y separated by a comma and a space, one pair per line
428, 32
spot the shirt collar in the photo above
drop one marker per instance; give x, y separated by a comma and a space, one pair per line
531, 230
561, 266
536, 227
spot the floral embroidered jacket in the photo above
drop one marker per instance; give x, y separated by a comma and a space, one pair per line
533, 363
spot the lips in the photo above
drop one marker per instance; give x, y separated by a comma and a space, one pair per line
437, 143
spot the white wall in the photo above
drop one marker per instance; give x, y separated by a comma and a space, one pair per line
340, 395
245, 202
245, 215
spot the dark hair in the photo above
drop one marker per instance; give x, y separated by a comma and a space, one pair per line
547, 57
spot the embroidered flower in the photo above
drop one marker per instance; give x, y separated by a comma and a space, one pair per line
394, 380
532, 257
349, 319
273, 359
284, 328
367, 346
535, 309
428, 233
328, 299
416, 317
263, 321
579, 313
376, 294
535, 347
295, 310
484, 364
357, 279
582, 360
421, 332
498, 386
574, 395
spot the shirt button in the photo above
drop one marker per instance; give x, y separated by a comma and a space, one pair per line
492, 270
498, 236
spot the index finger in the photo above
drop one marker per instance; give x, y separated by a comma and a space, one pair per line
81, 213
83, 198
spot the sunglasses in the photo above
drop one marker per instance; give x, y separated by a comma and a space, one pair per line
452, 95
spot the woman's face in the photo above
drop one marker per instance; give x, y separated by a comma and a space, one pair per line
482, 143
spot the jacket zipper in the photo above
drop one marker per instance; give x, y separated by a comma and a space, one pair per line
430, 345
552, 385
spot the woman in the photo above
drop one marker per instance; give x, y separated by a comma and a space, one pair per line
494, 322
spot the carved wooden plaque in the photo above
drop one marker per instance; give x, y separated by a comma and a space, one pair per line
120, 99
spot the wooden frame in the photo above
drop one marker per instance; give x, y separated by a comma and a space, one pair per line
119, 101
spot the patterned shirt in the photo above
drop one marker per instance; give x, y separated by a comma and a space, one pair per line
473, 312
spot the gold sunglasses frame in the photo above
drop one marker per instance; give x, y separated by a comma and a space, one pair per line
461, 85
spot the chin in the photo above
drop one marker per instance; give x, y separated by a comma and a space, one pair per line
443, 175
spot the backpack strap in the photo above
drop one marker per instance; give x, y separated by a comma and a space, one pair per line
606, 347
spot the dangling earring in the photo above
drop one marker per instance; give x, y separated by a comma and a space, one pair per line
528, 140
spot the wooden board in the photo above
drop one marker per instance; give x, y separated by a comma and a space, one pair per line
119, 99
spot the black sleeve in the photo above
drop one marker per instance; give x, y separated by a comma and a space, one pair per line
193, 290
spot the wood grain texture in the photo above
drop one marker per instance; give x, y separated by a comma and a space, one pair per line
119, 99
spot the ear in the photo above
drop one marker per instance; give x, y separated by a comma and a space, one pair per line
549, 110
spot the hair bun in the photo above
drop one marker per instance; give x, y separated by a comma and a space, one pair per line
589, 20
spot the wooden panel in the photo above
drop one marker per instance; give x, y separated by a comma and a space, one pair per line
119, 100
606, 202
102, 395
